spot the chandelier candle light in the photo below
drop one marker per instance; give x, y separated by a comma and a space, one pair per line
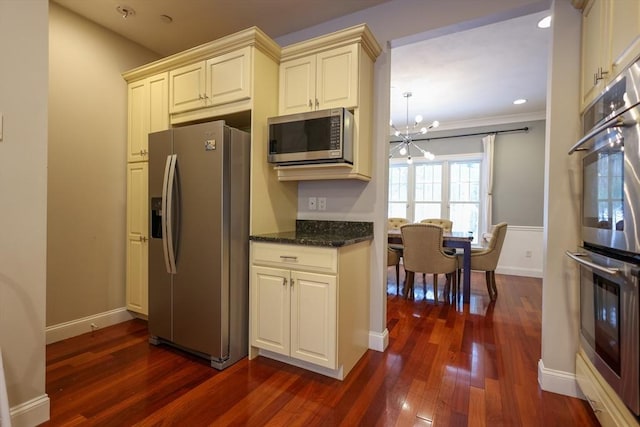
407, 136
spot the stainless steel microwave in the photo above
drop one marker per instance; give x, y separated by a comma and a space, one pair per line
324, 136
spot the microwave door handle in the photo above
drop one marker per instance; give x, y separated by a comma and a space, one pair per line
579, 258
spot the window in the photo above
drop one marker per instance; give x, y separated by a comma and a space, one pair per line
449, 188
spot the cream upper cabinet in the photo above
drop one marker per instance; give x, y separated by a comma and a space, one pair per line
610, 42
219, 80
229, 77
625, 32
325, 80
137, 238
148, 111
595, 68
187, 89
335, 70
309, 305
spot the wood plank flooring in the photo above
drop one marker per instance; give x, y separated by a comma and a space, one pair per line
446, 365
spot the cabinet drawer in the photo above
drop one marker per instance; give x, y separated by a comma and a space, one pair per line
295, 257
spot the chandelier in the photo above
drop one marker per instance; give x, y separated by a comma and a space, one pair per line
405, 146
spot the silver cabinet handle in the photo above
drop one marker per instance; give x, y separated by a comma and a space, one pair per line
292, 282
288, 258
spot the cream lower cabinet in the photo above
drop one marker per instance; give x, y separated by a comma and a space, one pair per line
309, 305
295, 314
137, 276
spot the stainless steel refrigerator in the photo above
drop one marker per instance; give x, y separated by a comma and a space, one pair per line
199, 245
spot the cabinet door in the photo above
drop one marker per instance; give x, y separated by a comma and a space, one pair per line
270, 309
138, 125
313, 318
595, 42
157, 104
229, 77
137, 236
625, 32
148, 104
297, 85
187, 90
337, 78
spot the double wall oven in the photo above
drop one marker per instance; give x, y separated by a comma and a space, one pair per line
609, 258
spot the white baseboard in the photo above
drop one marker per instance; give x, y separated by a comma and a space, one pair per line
31, 413
81, 326
518, 271
558, 381
379, 340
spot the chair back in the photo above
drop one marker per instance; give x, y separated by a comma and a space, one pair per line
446, 224
489, 260
396, 223
423, 251
393, 257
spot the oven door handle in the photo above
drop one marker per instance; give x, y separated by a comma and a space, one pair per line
579, 258
616, 121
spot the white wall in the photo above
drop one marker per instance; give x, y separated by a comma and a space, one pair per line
87, 166
394, 23
562, 205
23, 205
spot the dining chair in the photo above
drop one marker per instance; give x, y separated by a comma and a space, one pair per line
424, 253
486, 258
396, 223
446, 224
393, 259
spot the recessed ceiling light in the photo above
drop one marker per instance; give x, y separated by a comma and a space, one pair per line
545, 22
519, 101
125, 11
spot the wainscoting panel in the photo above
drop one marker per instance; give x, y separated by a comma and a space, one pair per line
522, 252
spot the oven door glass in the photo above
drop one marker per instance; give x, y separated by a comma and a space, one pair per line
603, 204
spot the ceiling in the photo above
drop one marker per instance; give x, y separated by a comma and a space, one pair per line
462, 79
472, 77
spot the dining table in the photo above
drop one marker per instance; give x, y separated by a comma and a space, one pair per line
452, 239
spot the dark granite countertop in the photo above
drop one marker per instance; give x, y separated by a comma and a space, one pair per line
321, 233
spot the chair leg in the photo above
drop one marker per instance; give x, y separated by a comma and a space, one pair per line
487, 276
397, 279
493, 285
408, 285
447, 287
435, 288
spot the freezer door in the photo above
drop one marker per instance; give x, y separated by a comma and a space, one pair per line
160, 311
200, 284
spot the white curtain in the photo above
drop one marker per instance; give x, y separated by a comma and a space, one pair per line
487, 181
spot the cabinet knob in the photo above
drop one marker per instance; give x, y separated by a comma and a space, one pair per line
292, 282
317, 104
310, 104
284, 282
142, 239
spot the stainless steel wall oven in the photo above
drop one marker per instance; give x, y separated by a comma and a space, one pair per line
610, 256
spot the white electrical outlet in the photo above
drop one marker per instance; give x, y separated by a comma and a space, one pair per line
322, 203
312, 203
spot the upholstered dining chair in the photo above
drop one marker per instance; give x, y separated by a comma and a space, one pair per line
446, 224
396, 223
424, 253
486, 258
393, 259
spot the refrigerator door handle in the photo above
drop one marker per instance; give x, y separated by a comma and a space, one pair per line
167, 217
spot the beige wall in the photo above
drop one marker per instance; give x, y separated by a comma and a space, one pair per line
87, 166
23, 199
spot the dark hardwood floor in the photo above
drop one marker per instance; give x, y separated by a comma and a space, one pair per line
446, 365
